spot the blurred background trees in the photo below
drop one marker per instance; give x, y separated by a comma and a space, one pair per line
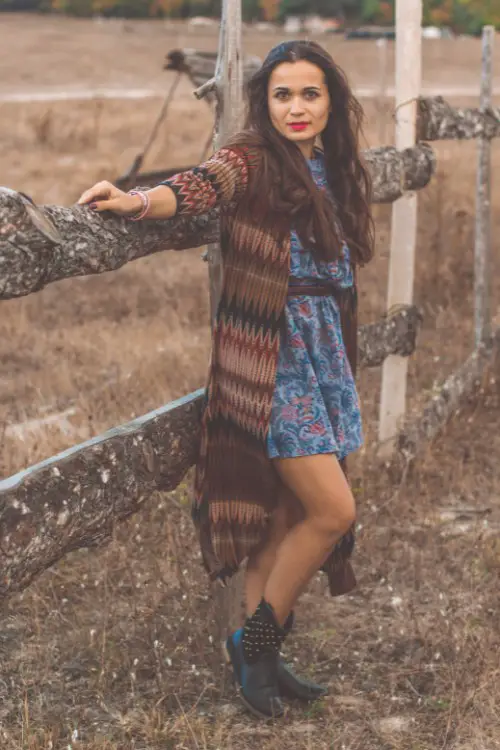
463, 16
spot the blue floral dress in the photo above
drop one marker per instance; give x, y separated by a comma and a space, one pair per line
315, 405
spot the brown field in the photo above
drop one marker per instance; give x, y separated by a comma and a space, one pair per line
116, 644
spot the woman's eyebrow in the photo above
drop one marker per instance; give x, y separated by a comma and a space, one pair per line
310, 87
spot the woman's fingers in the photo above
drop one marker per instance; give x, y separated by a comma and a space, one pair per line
123, 205
113, 204
106, 197
102, 190
99, 205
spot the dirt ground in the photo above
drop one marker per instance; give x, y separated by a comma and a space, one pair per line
114, 649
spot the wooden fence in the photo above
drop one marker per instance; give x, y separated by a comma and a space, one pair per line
74, 499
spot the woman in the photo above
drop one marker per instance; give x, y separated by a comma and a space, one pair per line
281, 410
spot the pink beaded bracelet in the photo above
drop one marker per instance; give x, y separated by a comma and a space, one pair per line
145, 205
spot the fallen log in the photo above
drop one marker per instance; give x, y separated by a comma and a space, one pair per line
73, 500
438, 121
40, 245
448, 398
395, 333
395, 173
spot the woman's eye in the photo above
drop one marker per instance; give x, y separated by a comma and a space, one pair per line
284, 95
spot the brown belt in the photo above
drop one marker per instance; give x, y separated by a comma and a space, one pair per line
347, 302
320, 289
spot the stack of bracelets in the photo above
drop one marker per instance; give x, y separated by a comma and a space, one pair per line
145, 205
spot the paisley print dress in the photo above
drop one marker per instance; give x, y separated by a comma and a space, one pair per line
315, 403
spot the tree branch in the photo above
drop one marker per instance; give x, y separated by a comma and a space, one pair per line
73, 500
40, 245
394, 334
438, 121
396, 172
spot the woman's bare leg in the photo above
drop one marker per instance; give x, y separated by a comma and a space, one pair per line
260, 565
319, 484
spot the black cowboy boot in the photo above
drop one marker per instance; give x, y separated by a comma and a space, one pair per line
290, 685
253, 652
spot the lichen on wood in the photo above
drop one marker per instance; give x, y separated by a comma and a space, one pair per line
74, 500
438, 120
40, 245
396, 333
396, 172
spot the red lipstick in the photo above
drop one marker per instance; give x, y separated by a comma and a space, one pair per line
298, 126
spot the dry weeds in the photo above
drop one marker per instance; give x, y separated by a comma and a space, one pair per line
113, 649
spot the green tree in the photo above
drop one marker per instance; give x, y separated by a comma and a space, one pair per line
20, 5
472, 15
81, 8
369, 10
438, 12
250, 10
127, 8
349, 9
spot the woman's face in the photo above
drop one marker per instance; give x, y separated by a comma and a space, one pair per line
299, 102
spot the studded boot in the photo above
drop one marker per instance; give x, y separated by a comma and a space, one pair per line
289, 684
254, 652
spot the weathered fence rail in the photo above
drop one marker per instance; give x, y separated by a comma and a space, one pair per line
468, 380
40, 245
74, 499
439, 121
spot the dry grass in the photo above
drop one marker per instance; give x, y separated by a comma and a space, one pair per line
116, 644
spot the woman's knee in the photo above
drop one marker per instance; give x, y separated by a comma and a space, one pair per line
336, 514
323, 493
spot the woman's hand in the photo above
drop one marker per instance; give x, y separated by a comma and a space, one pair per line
106, 197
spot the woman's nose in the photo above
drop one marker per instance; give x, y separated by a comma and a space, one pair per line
296, 106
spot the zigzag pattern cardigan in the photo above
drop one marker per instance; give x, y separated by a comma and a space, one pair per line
236, 485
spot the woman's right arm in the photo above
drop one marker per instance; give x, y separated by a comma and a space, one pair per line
220, 180
106, 197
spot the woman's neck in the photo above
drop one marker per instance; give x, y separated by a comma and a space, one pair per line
306, 148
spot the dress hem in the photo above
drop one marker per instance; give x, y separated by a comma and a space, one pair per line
338, 456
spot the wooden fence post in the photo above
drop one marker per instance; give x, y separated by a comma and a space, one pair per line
482, 243
382, 99
229, 109
229, 113
404, 212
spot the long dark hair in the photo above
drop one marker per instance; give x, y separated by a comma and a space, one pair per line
285, 187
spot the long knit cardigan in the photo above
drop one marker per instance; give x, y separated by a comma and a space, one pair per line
236, 487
